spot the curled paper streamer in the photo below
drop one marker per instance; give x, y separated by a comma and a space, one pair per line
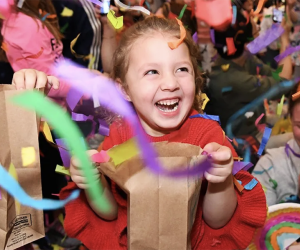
66, 129
287, 148
106, 91
34, 56
205, 100
182, 12
265, 39
124, 7
290, 50
195, 37
72, 44
12, 187
280, 106
236, 35
264, 141
175, 44
208, 117
246, 15
230, 46
258, 8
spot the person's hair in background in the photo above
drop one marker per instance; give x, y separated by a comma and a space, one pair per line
294, 111
32, 8
155, 24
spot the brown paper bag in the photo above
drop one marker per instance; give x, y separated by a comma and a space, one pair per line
161, 209
19, 225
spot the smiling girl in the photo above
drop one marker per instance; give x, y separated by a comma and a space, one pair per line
164, 87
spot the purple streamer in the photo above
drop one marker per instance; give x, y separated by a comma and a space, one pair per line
81, 117
290, 217
112, 98
103, 128
240, 165
64, 154
290, 50
195, 37
73, 97
265, 39
212, 36
287, 148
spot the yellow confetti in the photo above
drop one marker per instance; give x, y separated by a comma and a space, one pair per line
61, 219
46, 131
92, 61
66, 12
28, 156
72, 44
56, 247
123, 152
205, 100
225, 67
117, 22
280, 106
62, 170
13, 172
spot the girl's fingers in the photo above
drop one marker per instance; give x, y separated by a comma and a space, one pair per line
53, 82
41, 80
214, 179
30, 76
19, 79
220, 171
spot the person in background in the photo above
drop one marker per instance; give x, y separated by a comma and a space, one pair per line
267, 54
234, 80
279, 169
293, 11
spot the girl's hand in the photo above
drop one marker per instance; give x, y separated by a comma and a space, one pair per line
77, 175
31, 78
222, 163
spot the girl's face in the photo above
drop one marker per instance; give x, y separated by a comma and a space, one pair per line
161, 83
296, 123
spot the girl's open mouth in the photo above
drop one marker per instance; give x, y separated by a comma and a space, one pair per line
167, 105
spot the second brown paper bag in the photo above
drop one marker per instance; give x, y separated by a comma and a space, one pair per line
161, 210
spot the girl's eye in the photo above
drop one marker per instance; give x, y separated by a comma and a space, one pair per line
182, 69
151, 72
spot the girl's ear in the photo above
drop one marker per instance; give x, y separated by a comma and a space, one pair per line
122, 89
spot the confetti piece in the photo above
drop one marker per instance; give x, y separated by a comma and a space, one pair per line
106, 91
182, 12
246, 15
91, 63
124, 7
225, 67
175, 44
258, 8
266, 105
35, 56
226, 89
103, 128
249, 114
62, 170
65, 128
123, 152
64, 28
265, 39
117, 22
208, 117
212, 36
275, 74
236, 35
73, 97
260, 127
64, 154
265, 139
204, 99
240, 165
28, 156
234, 11
290, 50
230, 46
280, 106
100, 157
46, 131
195, 37
237, 184
251, 184
67, 12
46, 15
72, 44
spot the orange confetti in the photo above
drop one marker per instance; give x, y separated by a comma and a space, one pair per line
37, 55
49, 16
235, 142
175, 44
266, 105
230, 46
236, 35
258, 8
237, 158
4, 46
238, 185
296, 95
247, 17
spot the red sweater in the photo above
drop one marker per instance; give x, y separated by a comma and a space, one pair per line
97, 234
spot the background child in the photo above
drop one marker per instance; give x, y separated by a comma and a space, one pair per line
279, 169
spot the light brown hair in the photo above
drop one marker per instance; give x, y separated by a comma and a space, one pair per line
30, 10
146, 27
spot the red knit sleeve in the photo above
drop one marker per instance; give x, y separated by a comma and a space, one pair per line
250, 214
